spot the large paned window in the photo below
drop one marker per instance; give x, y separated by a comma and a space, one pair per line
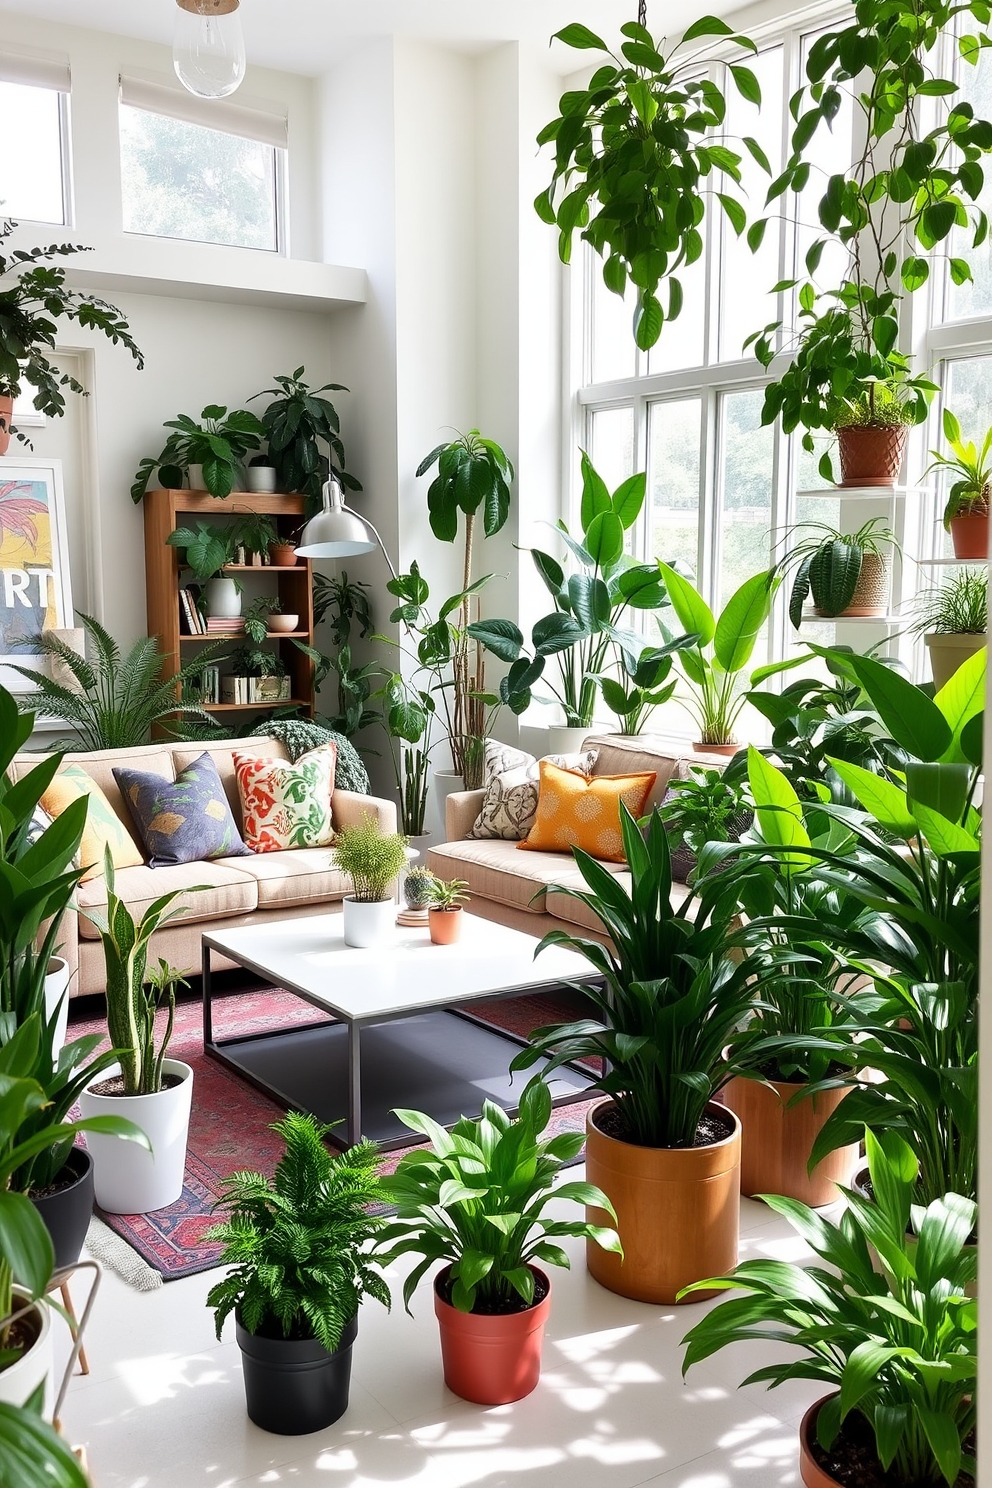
34, 122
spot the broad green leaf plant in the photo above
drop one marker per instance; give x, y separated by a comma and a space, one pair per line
475, 1199
898, 1346
969, 493
304, 437
640, 153
219, 443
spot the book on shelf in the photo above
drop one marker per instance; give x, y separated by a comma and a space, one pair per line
194, 592
225, 625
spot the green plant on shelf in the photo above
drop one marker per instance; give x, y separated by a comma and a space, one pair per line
207, 548
255, 532
829, 564
969, 493
256, 617
304, 437
219, 443
958, 606
255, 661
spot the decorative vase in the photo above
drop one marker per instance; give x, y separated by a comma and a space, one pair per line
261, 479
678, 1211
57, 998
283, 555
567, 740
6, 414
194, 474
223, 598
871, 456
970, 534
67, 1211
367, 922
128, 1178
777, 1139
947, 652
294, 1386
492, 1358
445, 925
20, 1380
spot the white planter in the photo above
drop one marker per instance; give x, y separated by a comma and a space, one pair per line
19, 1382
57, 998
368, 924
128, 1178
261, 478
223, 598
194, 474
567, 740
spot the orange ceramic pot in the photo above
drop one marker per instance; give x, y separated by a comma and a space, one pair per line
492, 1359
778, 1138
728, 749
810, 1470
970, 535
6, 413
282, 554
445, 925
678, 1212
871, 457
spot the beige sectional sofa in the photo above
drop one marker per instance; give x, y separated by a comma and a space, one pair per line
237, 891
522, 889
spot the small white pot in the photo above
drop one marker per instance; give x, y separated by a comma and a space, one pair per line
128, 1178
19, 1382
261, 478
567, 740
223, 598
194, 474
57, 998
368, 924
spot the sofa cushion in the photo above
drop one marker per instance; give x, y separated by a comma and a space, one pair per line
186, 820
577, 810
223, 757
510, 789
287, 805
496, 870
302, 875
574, 913
616, 755
227, 891
103, 827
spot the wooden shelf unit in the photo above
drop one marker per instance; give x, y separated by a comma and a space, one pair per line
167, 510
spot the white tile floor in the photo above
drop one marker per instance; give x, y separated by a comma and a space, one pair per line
164, 1407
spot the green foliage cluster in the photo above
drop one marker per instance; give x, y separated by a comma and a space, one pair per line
969, 494
219, 443
304, 437
959, 606
346, 607
371, 858
705, 807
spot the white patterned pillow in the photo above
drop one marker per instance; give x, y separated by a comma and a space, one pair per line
511, 780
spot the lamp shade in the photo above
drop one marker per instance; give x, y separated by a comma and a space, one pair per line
335, 532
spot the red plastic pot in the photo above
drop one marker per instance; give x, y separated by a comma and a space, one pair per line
491, 1359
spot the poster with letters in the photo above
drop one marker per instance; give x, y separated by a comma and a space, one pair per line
35, 593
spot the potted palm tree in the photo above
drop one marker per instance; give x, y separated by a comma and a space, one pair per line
297, 1249
373, 860
475, 1200
966, 513
666, 1155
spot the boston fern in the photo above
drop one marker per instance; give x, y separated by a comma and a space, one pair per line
899, 1345
634, 155
296, 1244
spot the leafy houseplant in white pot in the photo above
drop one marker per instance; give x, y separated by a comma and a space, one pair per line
372, 859
153, 1091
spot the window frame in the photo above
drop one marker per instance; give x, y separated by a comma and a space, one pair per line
65, 156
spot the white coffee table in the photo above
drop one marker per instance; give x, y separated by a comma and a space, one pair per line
401, 1037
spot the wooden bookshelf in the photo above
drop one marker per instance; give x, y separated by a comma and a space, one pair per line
167, 510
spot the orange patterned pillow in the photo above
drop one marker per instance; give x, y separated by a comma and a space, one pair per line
577, 810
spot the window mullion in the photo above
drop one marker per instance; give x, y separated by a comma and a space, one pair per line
709, 498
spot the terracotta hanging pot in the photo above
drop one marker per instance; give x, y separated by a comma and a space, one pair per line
6, 413
778, 1138
492, 1358
970, 534
678, 1211
871, 456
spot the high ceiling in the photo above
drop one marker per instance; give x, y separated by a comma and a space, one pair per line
306, 35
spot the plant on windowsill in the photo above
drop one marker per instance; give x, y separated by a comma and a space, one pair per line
297, 1248
373, 860
444, 910
953, 621
218, 446
34, 297
897, 1346
475, 1200
632, 151
846, 573
966, 514
304, 437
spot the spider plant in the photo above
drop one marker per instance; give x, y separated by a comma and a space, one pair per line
960, 606
114, 700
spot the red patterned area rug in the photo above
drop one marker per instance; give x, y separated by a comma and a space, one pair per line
230, 1123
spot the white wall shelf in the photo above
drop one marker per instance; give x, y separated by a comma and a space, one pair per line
952, 562
812, 617
859, 493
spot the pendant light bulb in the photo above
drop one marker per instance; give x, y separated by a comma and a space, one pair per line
208, 51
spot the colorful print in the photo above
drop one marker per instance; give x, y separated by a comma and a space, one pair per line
103, 826
287, 805
34, 577
186, 820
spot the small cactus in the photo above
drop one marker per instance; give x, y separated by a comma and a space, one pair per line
418, 888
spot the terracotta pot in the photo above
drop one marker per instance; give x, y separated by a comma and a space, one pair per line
871, 457
778, 1138
678, 1210
283, 555
810, 1470
970, 535
725, 749
491, 1359
6, 412
445, 925
948, 652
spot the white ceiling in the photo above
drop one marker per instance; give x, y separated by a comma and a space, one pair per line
307, 35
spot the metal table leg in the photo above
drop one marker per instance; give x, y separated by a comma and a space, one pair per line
208, 1025
354, 1084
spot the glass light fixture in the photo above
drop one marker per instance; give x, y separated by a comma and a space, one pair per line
208, 48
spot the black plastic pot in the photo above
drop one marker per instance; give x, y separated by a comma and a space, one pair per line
293, 1385
67, 1213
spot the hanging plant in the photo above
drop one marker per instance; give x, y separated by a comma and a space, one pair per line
635, 156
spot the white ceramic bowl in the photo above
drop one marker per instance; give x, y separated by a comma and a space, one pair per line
284, 622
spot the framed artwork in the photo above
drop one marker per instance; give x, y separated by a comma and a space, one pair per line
35, 592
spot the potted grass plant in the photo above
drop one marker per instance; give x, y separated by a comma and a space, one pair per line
953, 620
898, 1349
475, 1201
144, 1084
846, 573
966, 513
297, 1248
373, 860
669, 1000
444, 909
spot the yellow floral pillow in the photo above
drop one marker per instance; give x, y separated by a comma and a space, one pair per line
103, 825
577, 810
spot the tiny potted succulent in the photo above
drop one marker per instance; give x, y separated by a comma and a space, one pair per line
953, 621
475, 1201
296, 1246
261, 475
846, 573
154, 1091
418, 888
966, 514
210, 453
373, 860
444, 911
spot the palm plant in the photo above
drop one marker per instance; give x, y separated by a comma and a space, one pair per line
296, 1244
116, 700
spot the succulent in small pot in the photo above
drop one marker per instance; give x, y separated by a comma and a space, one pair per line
297, 1248
373, 860
444, 910
475, 1201
966, 513
846, 573
418, 888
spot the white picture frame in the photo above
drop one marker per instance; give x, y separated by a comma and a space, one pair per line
35, 587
